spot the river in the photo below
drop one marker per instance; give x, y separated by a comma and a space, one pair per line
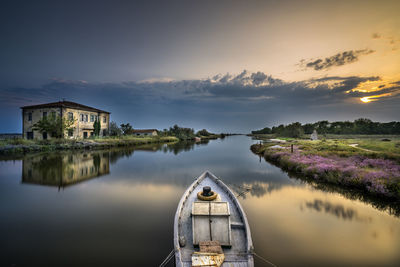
116, 208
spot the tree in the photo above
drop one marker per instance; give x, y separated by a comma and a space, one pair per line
54, 124
308, 128
114, 129
96, 127
265, 130
293, 130
203, 132
181, 133
126, 129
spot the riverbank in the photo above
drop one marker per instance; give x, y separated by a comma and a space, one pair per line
22, 146
372, 166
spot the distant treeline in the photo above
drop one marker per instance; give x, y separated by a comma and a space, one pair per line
183, 133
359, 126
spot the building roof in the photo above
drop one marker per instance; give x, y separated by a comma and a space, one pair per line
66, 104
145, 131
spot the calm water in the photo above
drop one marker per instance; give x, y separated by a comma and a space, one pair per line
116, 208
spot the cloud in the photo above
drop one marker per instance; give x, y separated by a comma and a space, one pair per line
242, 87
234, 101
376, 35
391, 40
339, 59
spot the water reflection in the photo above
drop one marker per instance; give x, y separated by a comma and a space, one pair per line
125, 218
183, 146
391, 207
337, 210
254, 187
63, 169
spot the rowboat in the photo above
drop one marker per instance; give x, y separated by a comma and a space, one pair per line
210, 227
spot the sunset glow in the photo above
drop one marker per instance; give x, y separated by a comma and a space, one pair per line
184, 62
368, 99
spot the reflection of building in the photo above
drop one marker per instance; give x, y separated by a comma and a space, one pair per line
83, 117
64, 169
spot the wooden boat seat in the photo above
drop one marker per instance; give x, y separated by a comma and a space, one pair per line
210, 254
210, 246
211, 222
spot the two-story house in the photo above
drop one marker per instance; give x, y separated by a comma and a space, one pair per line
83, 117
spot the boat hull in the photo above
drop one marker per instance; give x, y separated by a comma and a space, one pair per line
240, 251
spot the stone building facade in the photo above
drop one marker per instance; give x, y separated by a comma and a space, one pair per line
83, 117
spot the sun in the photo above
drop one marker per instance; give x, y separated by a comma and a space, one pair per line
366, 99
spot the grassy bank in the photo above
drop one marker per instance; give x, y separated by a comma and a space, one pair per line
22, 146
368, 164
210, 137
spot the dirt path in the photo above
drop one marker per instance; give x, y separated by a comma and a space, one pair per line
356, 146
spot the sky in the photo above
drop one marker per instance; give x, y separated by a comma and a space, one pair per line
227, 66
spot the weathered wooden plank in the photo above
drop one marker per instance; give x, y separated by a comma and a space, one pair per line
210, 246
220, 230
201, 229
201, 208
219, 208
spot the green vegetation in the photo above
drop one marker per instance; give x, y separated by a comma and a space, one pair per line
359, 126
188, 134
96, 128
179, 132
368, 164
118, 136
126, 129
21, 146
204, 134
114, 129
55, 125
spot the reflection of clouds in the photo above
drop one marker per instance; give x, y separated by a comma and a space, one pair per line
337, 210
298, 179
256, 189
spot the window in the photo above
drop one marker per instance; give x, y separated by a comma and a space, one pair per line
30, 116
91, 133
44, 135
70, 116
70, 132
82, 117
104, 132
44, 114
91, 118
29, 135
53, 114
86, 117
104, 119
84, 134
96, 118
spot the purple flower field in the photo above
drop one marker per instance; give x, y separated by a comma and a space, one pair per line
377, 176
